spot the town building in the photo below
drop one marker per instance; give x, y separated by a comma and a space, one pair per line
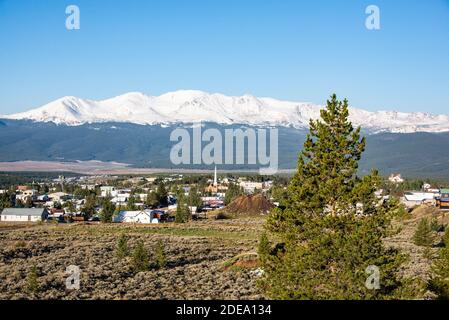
411, 199
108, 191
59, 196
396, 178
29, 193
251, 187
443, 199
90, 187
427, 187
23, 215
144, 217
215, 187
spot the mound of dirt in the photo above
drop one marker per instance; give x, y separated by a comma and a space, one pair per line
426, 211
249, 205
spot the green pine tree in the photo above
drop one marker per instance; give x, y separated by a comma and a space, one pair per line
152, 199
194, 198
264, 248
424, 235
233, 192
182, 210
131, 204
279, 194
435, 225
70, 207
162, 194
32, 285
88, 208
333, 225
140, 258
5, 201
108, 210
439, 281
161, 260
122, 249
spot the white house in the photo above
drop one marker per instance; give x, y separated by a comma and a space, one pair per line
250, 187
412, 199
120, 199
144, 216
427, 187
87, 186
31, 193
58, 196
108, 191
23, 215
434, 190
396, 178
207, 200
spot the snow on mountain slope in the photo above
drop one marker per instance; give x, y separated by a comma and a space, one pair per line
190, 106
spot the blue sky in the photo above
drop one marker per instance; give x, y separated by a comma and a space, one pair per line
295, 50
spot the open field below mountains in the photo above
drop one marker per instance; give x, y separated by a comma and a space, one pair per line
106, 168
197, 255
204, 259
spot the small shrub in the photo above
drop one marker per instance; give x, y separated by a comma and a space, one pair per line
32, 285
161, 260
424, 236
140, 258
20, 244
401, 212
222, 216
394, 230
182, 214
122, 249
435, 226
446, 237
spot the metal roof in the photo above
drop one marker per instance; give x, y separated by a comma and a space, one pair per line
419, 196
23, 211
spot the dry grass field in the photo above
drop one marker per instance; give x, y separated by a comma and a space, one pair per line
199, 258
208, 259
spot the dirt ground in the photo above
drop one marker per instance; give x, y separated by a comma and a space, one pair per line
197, 255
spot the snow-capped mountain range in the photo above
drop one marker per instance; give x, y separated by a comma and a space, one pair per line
190, 106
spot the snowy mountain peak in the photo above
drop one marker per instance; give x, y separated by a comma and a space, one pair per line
192, 106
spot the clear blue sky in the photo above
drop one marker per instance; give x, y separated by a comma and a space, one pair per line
296, 50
